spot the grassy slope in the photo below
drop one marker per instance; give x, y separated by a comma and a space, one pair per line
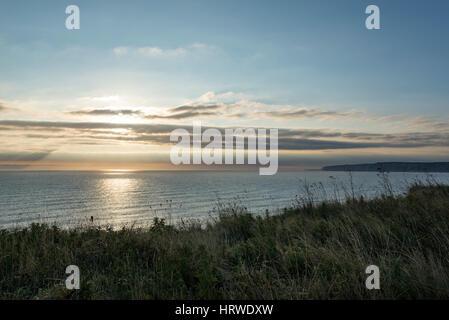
308, 252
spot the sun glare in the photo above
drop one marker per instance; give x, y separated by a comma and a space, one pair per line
121, 119
117, 171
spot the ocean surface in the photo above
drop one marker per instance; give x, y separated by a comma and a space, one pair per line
69, 199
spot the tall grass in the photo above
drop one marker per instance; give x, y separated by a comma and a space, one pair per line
313, 250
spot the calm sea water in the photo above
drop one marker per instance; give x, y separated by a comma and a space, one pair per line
70, 198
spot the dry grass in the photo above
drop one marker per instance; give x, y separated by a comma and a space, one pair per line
310, 251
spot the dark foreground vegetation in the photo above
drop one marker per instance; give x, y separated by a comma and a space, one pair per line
310, 251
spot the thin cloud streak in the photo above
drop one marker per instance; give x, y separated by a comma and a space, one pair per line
154, 51
306, 113
24, 156
106, 112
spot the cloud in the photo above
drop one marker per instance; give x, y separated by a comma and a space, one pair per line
190, 111
24, 156
23, 124
289, 139
224, 97
319, 144
200, 107
148, 51
235, 105
182, 115
3, 108
232, 104
106, 112
306, 113
176, 113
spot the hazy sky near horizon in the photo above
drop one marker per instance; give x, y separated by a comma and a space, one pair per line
113, 90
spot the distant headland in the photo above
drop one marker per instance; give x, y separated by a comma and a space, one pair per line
392, 167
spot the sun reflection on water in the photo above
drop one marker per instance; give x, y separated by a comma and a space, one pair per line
118, 193
117, 171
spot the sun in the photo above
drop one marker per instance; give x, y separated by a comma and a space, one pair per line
121, 119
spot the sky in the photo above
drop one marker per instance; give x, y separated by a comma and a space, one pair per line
109, 94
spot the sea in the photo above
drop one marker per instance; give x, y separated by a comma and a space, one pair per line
115, 199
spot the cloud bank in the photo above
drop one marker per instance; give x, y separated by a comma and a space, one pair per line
289, 139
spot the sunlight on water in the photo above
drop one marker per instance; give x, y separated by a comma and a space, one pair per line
118, 191
117, 198
117, 187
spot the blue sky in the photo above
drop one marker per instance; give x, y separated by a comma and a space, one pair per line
271, 55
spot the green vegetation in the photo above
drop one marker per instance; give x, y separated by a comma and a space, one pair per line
310, 251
